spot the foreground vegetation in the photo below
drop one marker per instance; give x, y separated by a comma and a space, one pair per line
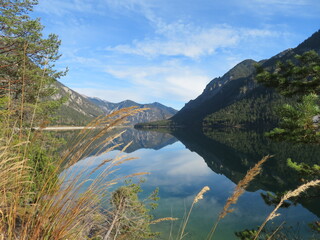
39, 197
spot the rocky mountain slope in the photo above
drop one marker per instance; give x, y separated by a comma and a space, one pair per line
236, 99
80, 110
77, 110
156, 111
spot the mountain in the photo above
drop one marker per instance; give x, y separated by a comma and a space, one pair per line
80, 110
77, 110
156, 111
235, 99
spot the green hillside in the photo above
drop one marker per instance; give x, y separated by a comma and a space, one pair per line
236, 99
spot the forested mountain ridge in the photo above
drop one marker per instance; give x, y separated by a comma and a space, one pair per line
236, 99
241, 70
218, 93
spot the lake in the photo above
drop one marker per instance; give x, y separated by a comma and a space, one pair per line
183, 163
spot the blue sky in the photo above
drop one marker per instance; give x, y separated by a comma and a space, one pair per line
168, 50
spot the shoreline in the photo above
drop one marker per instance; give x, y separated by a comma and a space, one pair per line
65, 128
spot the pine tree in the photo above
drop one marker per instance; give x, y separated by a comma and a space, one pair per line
26, 64
297, 79
300, 80
26, 84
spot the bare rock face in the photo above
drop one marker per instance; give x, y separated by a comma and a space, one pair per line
156, 111
76, 110
316, 122
79, 110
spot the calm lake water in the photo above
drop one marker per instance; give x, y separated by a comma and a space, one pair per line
181, 165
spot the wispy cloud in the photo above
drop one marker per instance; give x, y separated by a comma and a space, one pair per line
150, 50
170, 79
185, 39
62, 7
130, 4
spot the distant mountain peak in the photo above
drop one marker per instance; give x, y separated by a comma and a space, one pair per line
156, 111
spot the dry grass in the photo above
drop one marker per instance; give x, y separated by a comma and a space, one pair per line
198, 197
164, 219
57, 210
285, 197
238, 191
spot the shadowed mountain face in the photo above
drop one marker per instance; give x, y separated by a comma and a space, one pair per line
236, 99
216, 95
232, 153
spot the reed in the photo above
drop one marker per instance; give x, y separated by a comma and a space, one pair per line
57, 210
164, 219
285, 197
238, 191
198, 197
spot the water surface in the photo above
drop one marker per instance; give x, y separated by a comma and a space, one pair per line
182, 165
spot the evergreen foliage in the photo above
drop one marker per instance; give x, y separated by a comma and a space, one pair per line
246, 234
299, 79
304, 168
27, 73
131, 214
273, 199
27, 63
255, 110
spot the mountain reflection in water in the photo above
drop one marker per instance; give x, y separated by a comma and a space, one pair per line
218, 159
233, 152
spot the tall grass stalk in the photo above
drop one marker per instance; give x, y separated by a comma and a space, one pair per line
58, 210
285, 197
198, 197
238, 191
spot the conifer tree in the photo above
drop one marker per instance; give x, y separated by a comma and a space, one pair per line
298, 79
26, 63
26, 86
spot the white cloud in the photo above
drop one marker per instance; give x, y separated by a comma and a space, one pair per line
129, 4
168, 80
189, 45
185, 39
